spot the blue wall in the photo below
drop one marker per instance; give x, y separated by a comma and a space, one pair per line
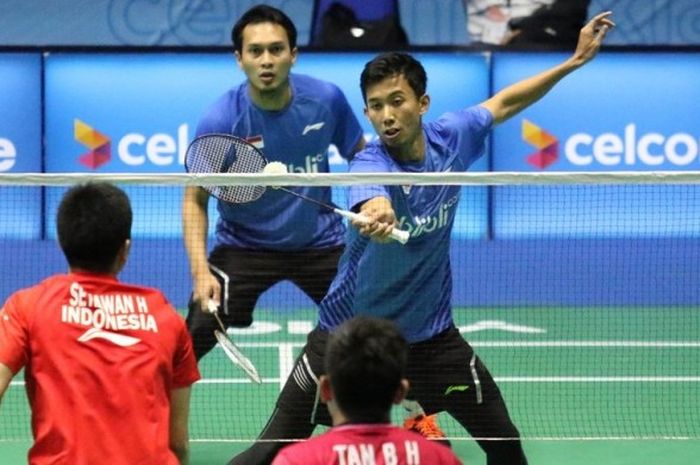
208, 22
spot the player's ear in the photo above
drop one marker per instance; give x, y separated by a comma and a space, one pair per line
401, 391
237, 54
424, 104
122, 255
294, 53
326, 392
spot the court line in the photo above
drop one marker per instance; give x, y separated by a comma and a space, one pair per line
650, 344
523, 344
498, 379
286, 358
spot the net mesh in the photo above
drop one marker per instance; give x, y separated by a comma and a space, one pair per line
579, 293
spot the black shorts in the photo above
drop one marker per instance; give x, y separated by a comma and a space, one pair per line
444, 375
245, 274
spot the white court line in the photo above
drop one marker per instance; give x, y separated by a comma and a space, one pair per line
498, 379
690, 344
286, 356
597, 379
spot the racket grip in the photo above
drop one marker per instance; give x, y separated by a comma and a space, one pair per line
398, 235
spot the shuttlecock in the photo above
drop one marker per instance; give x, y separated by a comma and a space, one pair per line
275, 167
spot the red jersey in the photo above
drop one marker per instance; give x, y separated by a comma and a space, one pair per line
367, 445
101, 359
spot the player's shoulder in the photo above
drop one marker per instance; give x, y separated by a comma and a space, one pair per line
373, 150
41, 289
219, 115
309, 87
475, 118
307, 452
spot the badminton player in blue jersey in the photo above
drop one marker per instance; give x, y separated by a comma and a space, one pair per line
412, 284
292, 119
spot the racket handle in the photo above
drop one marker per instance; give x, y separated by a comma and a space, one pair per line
398, 235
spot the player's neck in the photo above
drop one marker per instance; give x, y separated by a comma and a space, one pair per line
271, 100
411, 152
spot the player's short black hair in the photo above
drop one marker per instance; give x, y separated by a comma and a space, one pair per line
93, 222
365, 361
392, 64
263, 14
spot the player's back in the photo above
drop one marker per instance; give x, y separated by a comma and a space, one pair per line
367, 445
100, 367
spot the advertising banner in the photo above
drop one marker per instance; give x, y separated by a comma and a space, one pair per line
20, 142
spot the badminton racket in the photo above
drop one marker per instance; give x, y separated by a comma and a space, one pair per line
223, 153
231, 349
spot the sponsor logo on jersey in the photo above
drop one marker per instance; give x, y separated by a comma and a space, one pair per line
311, 164
427, 224
312, 127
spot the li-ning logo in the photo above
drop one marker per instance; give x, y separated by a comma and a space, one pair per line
546, 144
100, 145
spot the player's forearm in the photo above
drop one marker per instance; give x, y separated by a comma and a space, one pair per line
195, 225
515, 98
520, 95
179, 415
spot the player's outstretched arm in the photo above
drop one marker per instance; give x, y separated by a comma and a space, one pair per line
195, 225
522, 94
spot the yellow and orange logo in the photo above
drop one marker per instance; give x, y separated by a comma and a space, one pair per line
100, 145
546, 144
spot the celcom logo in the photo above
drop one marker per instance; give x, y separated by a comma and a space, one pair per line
100, 145
628, 148
133, 148
546, 144
631, 148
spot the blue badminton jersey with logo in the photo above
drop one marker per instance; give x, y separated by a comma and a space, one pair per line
298, 136
409, 284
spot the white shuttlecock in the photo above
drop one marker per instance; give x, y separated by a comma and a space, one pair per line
275, 167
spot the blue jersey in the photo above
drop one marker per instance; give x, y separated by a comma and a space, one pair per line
298, 136
409, 284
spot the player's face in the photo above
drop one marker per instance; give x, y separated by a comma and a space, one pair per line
395, 111
266, 58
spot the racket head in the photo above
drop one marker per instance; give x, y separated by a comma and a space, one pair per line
224, 153
236, 356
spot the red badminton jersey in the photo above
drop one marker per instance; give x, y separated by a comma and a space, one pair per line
101, 358
367, 445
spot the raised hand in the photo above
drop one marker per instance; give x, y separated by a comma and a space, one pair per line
591, 37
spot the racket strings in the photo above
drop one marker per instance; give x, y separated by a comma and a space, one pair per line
226, 155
